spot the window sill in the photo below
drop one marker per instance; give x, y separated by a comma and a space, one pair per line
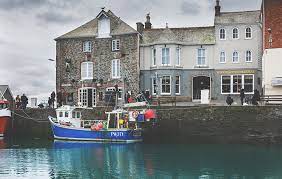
201, 66
249, 61
114, 78
166, 94
222, 62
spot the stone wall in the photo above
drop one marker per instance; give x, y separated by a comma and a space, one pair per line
70, 50
236, 124
218, 124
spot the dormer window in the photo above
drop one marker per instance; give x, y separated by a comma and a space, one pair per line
103, 26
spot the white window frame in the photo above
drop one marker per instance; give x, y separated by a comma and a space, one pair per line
233, 57
154, 56
247, 56
202, 57
238, 34
116, 45
87, 46
88, 71
178, 57
220, 34
154, 86
166, 57
220, 57
251, 32
119, 89
83, 96
115, 68
243, 83
165, 84
179, 88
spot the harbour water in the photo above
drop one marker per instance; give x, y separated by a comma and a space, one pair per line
39, 158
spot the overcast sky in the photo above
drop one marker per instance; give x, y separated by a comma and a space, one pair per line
28, 27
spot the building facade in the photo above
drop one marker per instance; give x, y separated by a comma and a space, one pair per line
223, 58
174, 60
272, 46
95, 57
238, 53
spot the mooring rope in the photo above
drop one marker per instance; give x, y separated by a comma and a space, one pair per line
35, 120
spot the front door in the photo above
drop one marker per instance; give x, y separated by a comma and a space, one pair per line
200, 83
87, 97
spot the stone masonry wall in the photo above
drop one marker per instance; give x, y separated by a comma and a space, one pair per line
210, 124
102, 56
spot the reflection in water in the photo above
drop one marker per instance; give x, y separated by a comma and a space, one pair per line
97, 160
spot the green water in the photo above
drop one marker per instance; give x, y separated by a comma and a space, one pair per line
34, 159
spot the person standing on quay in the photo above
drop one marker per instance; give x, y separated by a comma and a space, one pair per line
18, 102
53, 95
24, 101
242, 95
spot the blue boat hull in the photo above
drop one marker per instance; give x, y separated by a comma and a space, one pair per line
80, 134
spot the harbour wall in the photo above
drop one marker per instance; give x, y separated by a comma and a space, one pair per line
198, 124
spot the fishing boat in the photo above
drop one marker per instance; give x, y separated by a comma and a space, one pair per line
119, 125
5, 116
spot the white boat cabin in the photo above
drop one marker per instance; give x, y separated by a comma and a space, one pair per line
69, 115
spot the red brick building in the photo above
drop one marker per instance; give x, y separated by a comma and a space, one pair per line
272, 23
272, 47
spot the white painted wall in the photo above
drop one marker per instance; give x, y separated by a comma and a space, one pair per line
188, 56
241, 45
272, 67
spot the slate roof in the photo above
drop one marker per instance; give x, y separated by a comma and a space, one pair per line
3, 88
90, 29
244, 17
184, 36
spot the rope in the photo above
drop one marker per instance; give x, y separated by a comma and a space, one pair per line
33, 119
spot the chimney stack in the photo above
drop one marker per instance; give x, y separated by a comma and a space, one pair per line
148, 24
140, 27
217, 8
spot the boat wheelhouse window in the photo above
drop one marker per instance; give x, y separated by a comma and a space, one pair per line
66, 114
60, 114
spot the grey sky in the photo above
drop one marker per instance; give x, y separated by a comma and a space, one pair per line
28, 27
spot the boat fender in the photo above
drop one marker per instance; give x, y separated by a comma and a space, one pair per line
93, 127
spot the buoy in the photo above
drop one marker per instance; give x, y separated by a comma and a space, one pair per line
100, 125
150, 114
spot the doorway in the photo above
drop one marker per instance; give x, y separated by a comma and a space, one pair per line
200, 83
87, 97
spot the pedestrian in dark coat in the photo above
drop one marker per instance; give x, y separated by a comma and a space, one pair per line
242, 96
24, 101
256, 97
53, 95
59, 98
229, 100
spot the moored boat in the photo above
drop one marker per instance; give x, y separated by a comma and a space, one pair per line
119, 126
5, 116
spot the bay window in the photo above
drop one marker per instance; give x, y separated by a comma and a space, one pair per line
232, 84
166, 85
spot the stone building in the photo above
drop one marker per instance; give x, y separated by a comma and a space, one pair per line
95, 57
272, 46
238, 52
180, 62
